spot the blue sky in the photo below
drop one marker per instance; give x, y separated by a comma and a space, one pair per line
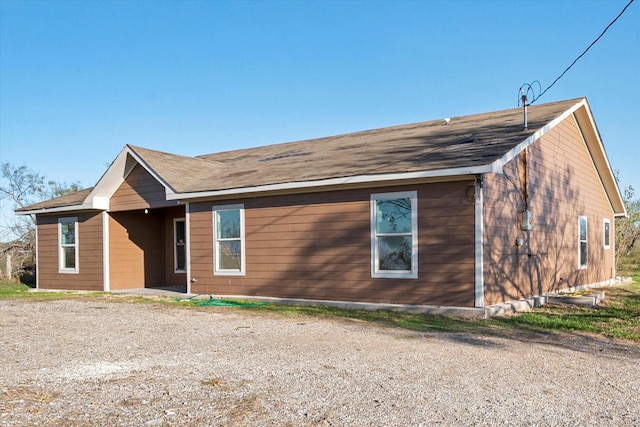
80, 79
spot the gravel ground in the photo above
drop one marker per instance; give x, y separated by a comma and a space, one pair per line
102, 361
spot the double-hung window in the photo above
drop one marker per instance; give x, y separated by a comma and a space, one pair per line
582, 242
606, 233
228, 236
394, 235
68, 245
179, 243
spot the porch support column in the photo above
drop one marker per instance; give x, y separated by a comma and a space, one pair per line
106, 268
479, 246
187, 245
37, 256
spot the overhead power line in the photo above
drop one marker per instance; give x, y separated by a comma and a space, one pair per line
582, 54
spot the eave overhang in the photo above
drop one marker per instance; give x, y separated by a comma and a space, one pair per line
349, 181
128, 158
72, 208
587, 125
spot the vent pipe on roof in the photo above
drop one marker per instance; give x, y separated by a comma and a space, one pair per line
524, 108
522, 97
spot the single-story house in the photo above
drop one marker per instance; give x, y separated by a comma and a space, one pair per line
466, 211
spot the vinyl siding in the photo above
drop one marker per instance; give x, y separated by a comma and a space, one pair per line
562, 184
318, 246
90, 274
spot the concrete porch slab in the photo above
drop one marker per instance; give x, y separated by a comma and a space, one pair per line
167, 291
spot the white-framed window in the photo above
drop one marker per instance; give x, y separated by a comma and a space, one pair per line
606, 233
179, 245
68, 254
582, 242
394, 235
228, 238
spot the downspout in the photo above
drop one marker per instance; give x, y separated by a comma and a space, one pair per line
479, 246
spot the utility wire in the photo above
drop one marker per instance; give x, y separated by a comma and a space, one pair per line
582, 54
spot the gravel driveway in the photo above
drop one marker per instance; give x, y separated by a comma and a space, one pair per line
102, 361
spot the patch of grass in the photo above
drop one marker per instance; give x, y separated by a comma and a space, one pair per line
617, 317
17, 290
419, 322
8, 288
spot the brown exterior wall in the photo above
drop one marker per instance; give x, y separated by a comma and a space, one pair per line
318, 246
90, 276
139, 191
141, 249
562, 184
136, 249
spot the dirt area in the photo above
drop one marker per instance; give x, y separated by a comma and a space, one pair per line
103, 361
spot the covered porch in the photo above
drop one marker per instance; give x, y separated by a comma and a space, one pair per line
147, 249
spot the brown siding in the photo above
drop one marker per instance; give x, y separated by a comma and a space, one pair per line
318, 246
136, 249
139, 191
562, 184
90, 276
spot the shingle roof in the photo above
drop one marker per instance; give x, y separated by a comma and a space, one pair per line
466, 141
71, 199
181, 173
462, 142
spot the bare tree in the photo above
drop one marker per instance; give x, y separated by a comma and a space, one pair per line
20, 187
628, 229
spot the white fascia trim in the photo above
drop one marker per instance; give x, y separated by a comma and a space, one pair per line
141, 162
592, 122
101, 203
601, 146
593, 164
339, 181
60, 209
115, 176
112, 178
511, 154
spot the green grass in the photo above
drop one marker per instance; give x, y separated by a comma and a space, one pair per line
617, 317
16, 290
12, 289
420, 322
